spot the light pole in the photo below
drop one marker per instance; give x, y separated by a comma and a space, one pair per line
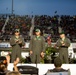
12, 7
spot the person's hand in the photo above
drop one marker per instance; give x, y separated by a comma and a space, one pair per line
16, 41
15, 65
31, 52
8, 59
20, 42
63, 44
42, 54
16, 61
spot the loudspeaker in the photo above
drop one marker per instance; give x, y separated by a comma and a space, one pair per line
28, 70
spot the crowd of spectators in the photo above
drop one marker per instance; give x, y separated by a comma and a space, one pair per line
51, 25
22, 70
16, 22
47, 24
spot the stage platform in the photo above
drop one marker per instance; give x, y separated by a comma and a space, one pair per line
44, 67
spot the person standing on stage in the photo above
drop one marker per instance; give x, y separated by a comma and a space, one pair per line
63, 43
37, 47
16, 42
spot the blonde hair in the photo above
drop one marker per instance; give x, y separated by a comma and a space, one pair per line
13, 73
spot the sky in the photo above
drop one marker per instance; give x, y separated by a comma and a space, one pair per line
38, 7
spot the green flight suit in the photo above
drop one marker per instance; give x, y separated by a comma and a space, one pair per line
63, 50
37, 45
16, 47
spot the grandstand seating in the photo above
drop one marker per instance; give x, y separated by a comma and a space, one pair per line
47, 24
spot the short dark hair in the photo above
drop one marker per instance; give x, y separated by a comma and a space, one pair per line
57, 62
3, 63
3, 60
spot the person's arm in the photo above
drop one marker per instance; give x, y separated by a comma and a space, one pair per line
8, 59
15, 66
12, 41
67, 42
43, 47
21, 41
58, 43
43, 44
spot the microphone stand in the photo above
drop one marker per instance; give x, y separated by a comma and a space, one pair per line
36, 61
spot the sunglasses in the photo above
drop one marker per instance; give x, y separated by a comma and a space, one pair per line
17, 32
